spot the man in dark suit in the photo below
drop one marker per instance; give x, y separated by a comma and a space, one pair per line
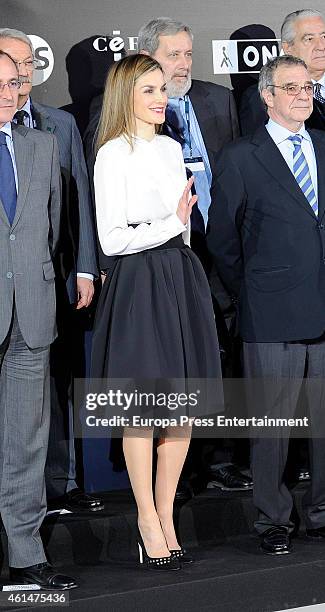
76, 266
267, 237
30, 204
202, 117
302, 35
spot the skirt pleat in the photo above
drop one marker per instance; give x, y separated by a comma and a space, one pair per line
155, 318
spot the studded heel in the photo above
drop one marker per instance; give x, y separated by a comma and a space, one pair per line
156, 563
182, 555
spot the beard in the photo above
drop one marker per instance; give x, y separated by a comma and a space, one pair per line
178, 90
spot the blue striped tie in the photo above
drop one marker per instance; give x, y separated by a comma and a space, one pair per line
302, 174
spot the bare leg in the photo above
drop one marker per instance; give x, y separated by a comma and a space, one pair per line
138, 457
171, 456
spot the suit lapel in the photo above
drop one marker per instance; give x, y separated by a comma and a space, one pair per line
270, 157
319, 147
24, 156
3, 214
204, 111
43, 121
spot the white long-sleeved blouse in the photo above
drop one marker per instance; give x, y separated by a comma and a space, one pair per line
141, 187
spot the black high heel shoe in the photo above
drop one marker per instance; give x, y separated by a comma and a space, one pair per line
156, 563
182, 555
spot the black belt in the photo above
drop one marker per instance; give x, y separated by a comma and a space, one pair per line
106, 262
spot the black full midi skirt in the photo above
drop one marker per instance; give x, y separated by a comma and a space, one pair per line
155, 319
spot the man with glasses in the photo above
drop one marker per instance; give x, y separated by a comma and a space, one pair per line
30, 205
302, 35
267, 236
77, 266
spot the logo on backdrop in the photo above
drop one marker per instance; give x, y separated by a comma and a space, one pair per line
44, 54
242, 56
115, 44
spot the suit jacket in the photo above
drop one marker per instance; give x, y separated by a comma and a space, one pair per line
252, 113
77, 244
216, 113
28, 246
267, 243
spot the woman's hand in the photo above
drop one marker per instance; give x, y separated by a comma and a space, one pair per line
185, 204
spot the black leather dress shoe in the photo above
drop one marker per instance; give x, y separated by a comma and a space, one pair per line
44, 575
276, 541
316, 534
79, 500
229, 478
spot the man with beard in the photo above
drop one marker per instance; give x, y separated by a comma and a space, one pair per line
203, 118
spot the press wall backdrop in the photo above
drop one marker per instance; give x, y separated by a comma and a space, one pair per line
74, 47
76, 41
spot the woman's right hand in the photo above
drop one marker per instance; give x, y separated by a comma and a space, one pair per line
185, 204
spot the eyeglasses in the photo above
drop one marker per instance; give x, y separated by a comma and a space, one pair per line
13, 85
295, 90
29, 64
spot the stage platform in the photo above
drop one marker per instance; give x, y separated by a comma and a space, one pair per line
230, 574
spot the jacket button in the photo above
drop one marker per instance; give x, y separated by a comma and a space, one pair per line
321, 226
12, 237
9, 274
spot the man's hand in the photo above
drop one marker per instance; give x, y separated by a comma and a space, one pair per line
85, 289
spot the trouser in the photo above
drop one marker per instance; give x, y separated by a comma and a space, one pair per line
24, 426
290, 364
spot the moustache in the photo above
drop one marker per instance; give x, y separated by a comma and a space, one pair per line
24, 79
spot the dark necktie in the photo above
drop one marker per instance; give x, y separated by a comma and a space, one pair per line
174, 124
8, 193
20, 116
317, 94
174, 127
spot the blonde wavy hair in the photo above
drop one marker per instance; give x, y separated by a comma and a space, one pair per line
117, 116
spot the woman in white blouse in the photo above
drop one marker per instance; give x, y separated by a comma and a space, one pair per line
154, 319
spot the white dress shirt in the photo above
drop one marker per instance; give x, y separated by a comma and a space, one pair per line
280, 136
141, 187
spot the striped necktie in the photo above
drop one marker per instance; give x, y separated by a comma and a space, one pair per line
302, 174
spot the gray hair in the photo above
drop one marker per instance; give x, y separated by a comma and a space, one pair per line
288, 32
148, 37
16, 34
266, 77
